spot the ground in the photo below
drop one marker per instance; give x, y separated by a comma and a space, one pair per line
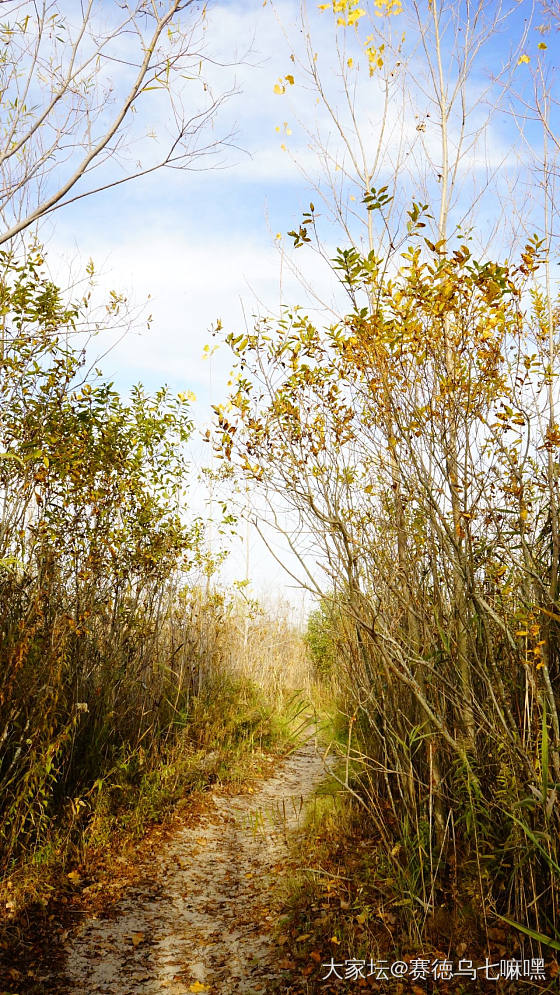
203, 920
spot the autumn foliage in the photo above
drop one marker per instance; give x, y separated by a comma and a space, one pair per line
415, 441
121, 665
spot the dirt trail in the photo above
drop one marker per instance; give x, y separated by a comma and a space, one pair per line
203, 923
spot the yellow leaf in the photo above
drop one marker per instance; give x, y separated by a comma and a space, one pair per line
523, 58
350, 63
542, 45
356, 15
551, 614
334, 939
137, 939
197, 986
290, 79
522, 632
279, 88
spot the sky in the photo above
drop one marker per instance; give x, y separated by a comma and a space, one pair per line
210, 242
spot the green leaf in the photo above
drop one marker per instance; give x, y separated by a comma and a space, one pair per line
539, 937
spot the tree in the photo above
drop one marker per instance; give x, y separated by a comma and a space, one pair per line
445, 609
413, 438
408, 97
79, 86
94, 548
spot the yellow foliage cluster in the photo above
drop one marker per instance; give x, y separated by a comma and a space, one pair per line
349, 10
280, 86
374, 55
388, 8
350, 13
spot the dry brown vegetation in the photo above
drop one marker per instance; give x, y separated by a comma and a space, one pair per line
128, 681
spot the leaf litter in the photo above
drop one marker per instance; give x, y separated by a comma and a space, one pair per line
204, 920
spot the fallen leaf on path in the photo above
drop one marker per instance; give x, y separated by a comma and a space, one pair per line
286, 964
137, 939
197, 986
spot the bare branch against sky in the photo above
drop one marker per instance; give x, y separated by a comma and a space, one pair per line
80, 87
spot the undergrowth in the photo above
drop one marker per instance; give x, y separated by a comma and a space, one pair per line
92, 851
227, 736
351, 898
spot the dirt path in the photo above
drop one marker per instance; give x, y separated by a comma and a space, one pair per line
203, 923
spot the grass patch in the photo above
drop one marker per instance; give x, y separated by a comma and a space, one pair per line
344, 899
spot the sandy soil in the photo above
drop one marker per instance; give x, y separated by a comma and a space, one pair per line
203, 921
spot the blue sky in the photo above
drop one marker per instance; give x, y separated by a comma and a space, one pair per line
203, 244
200, 241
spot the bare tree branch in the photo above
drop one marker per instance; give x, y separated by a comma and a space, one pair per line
72, 85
